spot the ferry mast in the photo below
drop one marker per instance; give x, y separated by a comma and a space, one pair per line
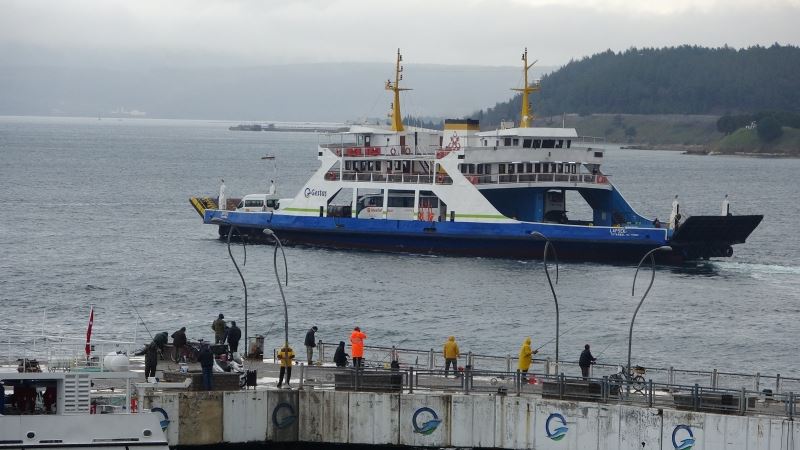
397, 118
526, 115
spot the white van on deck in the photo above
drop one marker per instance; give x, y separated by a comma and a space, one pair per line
258, 203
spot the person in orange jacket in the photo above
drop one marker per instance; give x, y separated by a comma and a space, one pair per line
357, 346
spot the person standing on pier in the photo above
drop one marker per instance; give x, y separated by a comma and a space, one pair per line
219, 329
286, 355
310, 343
234, 336
179, 343
586, 360
525, 358
451, 355
206, 360
150, 361
357, 346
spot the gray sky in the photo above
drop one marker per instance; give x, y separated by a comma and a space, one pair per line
468, 32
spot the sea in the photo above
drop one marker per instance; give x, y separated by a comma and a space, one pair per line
97, 214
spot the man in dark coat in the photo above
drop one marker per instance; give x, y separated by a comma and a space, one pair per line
311, 342
586, 360
150, 360
219, 329
206, 360
340, 356
234, 335
179, 342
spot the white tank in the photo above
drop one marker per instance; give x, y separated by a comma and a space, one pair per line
114, 362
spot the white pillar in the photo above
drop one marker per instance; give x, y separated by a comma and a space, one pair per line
415, 213
385, 202
354, 203
726, 206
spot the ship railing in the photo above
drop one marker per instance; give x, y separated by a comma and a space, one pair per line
61, 353
404, 378
589, 140
365, 151
378, 177
433, 359
537, 178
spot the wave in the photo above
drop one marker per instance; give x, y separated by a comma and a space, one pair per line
758, 268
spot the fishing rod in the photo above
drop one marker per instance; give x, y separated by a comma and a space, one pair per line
604, 349
553, 339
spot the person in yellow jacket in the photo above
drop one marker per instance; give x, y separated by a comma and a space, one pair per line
526, 357
451, 355
285, 356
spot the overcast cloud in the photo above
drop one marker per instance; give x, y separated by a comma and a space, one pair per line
468, 32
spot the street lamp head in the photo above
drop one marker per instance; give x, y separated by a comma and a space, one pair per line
664, 248
269, 232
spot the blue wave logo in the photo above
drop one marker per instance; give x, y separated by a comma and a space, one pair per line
560, 431
428, 426
165, 421
687, 443
285, 419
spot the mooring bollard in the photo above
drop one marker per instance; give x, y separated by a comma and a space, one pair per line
321, 352
756, 382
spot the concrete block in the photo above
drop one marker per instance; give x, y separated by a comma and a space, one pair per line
514, 423
283, 413
374, 418
245, 416
324, 417
473, 421
200, 418
425, 420
639, 425
170, 403
682, 426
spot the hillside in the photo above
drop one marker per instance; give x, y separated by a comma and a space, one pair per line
673, 80
746, 141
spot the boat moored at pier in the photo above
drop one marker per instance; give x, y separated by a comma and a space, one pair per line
463, 191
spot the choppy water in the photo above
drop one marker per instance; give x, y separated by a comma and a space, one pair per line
97, 212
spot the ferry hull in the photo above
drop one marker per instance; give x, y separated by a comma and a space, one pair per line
508, 240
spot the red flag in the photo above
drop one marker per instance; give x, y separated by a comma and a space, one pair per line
89, 333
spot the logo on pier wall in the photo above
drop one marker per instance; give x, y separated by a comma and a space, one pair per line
165, 421
688, 442
560, 431
428, 426
283, 415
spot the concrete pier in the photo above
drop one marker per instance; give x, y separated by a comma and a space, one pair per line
439, 419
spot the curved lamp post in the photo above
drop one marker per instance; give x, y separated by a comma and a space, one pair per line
272, 234
221, 221
547, 247
664, 248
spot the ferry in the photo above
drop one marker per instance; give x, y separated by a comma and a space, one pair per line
463, 191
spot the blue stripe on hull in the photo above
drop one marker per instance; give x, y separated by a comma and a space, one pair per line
581, 243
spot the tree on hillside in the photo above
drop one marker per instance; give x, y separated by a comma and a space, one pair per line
727, 124
769, 129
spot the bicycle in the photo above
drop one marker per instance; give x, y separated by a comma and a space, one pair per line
634, 379
189, 353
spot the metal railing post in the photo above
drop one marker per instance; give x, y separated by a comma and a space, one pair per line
696, 397
757, 381
561, 386
302, 373
714, 379
430, 360
605, 389
547, 366
411, 380
470, 363
518, 382
321, 352
508, 363
671, 376
742, 401
777, 383
650, 393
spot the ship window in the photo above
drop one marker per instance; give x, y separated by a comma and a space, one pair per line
511, 168
520, 167
501, 168
378, 165
440, 140
515, 142
497, 143
480, 169
560, 143
397, 165
537, 168
370, 166
545, 168
537, 143
569, 142
560, 168
526, 143
348, 165
253, 203
574, 168
548, 143
487, 169
598, 154
529, 167
507, 142
485, 142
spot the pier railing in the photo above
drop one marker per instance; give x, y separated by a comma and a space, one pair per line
432, 359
